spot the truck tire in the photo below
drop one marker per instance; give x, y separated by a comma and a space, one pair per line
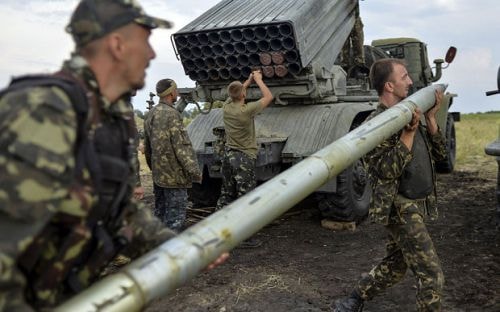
352, 199
447, 165
205, 194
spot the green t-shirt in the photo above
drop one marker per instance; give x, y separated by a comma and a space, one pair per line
240, 127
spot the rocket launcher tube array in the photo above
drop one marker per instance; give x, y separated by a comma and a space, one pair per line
243, 43
178, 260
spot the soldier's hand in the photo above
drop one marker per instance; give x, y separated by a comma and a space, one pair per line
413, 125
139, 192
431, 113
250, 77
257, 75
222, 258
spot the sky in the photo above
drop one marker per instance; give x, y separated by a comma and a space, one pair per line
33, 40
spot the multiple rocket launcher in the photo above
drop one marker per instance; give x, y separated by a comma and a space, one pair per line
233, 53
280, 37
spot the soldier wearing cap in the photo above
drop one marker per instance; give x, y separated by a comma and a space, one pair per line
66, 206
170, 156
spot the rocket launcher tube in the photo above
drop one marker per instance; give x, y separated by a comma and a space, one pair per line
178, 260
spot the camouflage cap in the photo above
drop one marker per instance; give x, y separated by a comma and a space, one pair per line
92, 19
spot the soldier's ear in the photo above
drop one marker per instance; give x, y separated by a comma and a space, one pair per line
116, 45
389, 86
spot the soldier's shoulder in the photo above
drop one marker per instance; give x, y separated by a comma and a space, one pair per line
162, 112
172, 113
45, 100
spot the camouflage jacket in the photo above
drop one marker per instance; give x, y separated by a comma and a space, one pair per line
135, 159
385, 165
42, 203
168, 150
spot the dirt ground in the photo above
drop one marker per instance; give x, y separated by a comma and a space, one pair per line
304, 267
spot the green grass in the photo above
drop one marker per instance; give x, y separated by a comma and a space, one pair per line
473, 133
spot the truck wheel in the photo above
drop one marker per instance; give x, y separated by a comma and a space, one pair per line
205, 194
352, 199
447, 165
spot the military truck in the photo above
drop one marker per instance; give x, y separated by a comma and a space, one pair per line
493, 149
296, 44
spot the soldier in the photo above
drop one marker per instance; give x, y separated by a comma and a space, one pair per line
138, 190
66, 206
402, 174
355, 42
238, 164
170, 156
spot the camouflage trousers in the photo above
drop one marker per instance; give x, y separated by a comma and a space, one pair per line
170, 206
238, 176
409, 246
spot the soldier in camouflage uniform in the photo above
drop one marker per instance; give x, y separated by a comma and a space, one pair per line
354, 43
66, 206
170, 156
402, 174
138, 190
238, 164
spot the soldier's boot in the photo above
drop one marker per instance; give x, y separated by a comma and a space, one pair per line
353, 303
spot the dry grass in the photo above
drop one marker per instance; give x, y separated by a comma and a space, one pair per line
268, 282
473, 133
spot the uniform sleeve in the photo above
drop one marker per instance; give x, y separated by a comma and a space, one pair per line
388, 160
438, 146
253, 108
36, 167
147, 231
137, 165
183, 149
147, 140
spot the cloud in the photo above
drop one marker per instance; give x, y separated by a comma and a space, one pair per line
470, 26
25, 48
33, 38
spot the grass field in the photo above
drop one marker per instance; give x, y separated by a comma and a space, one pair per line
473, 133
